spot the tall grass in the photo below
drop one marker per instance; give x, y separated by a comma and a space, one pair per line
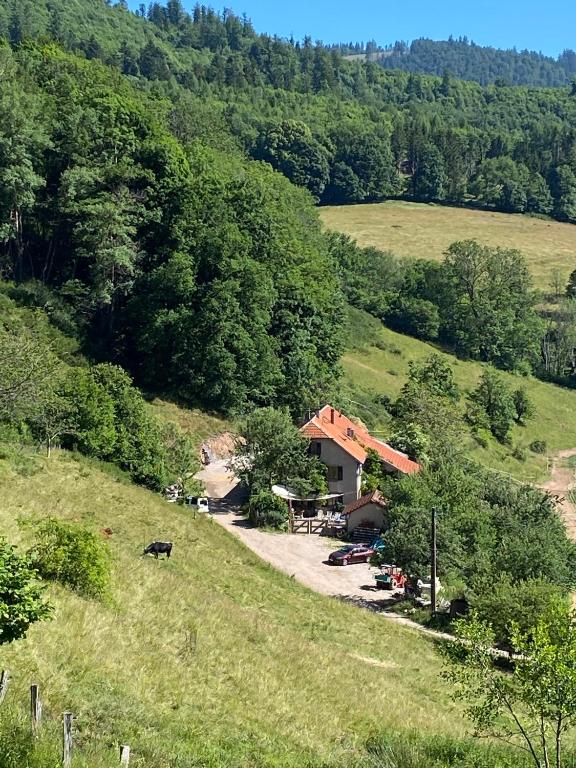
211, 658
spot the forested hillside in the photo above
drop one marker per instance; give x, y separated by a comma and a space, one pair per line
482, 64
348, 131
203, 273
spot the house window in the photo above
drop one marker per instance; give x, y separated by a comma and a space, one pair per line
335, 473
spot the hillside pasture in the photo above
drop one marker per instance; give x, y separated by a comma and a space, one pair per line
376, 363
424, 231
210, 658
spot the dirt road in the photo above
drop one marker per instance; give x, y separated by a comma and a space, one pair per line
562, 480
300, 555
218, 481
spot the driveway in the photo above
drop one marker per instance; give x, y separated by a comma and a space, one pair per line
220, 483
304, 556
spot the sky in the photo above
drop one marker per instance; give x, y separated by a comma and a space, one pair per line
541, 25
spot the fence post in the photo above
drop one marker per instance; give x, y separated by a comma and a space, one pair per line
67, 740
4, 682
35, 709
124, 755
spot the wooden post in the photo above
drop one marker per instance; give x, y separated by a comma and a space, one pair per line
67, 740
124, 755
433, 564
35, 709
4, 682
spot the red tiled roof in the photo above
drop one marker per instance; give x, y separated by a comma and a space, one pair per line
371, 498
355, 439
320, 428
312, 430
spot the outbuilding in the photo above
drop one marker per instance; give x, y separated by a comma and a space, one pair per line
368, 511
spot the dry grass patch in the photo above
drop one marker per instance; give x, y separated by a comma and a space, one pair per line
198, 425
424, 231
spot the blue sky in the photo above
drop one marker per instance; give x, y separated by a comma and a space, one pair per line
546, 25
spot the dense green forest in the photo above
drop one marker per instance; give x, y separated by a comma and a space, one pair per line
132, 208
205, 274
348, 131
466, 60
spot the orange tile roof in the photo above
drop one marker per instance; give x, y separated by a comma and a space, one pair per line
370, 498
355, 439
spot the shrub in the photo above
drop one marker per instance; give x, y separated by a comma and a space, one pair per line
482, 437
539, 446
265, 510
502, 602
416, 317
21, 601
524, 406
493, 400
519, 453
72, 555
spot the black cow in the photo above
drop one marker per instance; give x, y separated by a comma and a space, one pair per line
159, 548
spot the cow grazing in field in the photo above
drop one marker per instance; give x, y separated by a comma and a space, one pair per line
159, 548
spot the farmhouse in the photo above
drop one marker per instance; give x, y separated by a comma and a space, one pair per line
343, 446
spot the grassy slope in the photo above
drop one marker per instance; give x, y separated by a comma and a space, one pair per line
265, 683
377, 361
197, 424
417, 230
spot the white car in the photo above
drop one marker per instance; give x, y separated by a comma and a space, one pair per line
198, 503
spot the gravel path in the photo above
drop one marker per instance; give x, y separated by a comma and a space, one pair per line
562, 480
304, 556
301, 556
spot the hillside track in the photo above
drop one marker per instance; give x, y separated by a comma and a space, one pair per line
562, 481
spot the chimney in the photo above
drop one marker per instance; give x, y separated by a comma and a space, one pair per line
332, 415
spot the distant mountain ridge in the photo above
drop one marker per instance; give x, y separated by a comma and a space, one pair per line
466, 60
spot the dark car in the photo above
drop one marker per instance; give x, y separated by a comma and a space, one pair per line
351, 553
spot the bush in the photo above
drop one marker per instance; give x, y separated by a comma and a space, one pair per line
265, 510
21, 600
524, 406
539, 446
415, 317
502, 601
492, 404
72, 555
519, 453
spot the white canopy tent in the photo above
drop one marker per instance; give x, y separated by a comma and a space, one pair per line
286, 493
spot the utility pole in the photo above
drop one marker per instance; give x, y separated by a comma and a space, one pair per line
433, 564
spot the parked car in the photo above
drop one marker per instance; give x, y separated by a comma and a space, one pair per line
198, 503
351, 553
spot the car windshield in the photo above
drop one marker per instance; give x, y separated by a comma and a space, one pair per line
346, 549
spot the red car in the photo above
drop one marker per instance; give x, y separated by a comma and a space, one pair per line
351, 553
